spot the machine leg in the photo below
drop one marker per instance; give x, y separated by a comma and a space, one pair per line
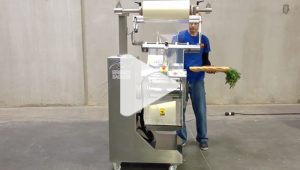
173, 167
117, 166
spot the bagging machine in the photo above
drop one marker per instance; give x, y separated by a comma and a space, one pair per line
148, 135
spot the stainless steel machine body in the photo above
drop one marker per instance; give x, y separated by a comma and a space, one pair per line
125, 143
163, 117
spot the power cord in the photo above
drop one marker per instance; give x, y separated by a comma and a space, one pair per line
258, 114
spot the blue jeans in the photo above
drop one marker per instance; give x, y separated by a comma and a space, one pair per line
197, 94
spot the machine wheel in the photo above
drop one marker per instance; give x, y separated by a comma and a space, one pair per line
117, 166
173, 167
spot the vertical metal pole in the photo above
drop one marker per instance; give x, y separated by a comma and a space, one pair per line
123, 31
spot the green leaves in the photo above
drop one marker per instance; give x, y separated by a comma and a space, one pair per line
232, 76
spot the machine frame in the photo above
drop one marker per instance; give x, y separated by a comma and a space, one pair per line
125, 143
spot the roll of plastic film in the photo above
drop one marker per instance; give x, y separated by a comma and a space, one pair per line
166, 10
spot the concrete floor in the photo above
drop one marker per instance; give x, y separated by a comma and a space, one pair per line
237, 142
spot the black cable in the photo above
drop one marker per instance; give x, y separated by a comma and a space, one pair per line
259, 114
149, 137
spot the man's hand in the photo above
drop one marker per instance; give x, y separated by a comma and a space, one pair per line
211, 72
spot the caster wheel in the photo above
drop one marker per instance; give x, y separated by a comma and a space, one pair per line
117, 166
173, 167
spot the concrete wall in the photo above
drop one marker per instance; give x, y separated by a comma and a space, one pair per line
53, 52
262, 42
41, 53
101, 29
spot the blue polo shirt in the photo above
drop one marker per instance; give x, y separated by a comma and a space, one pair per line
192, 58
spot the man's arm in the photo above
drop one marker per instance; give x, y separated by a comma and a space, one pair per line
205, 59
206, 62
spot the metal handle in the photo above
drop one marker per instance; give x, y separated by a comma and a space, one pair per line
198, 2
139, 3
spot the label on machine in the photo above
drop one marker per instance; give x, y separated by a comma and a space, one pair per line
161, 114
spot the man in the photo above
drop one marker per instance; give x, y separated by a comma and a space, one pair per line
195, 82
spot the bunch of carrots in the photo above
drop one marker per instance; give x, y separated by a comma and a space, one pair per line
232, 75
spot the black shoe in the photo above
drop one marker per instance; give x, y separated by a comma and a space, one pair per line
203, 146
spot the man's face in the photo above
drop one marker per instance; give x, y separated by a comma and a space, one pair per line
193, 28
